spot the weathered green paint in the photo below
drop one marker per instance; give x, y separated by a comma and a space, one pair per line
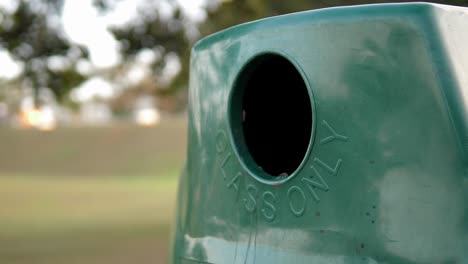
390, 143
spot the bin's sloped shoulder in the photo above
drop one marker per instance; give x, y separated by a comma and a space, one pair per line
334, 15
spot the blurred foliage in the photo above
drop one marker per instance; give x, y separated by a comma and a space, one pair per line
151, 31
26, 27
32, 35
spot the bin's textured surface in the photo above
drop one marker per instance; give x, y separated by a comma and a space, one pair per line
385, 179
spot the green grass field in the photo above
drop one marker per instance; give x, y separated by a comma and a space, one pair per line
84, 210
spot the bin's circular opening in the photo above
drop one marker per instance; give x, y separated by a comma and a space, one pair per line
271, 117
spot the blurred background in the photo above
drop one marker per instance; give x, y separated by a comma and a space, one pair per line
93, 101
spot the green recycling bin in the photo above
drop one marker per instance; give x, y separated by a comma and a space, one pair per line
329, 136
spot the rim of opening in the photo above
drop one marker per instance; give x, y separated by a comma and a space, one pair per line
235, 103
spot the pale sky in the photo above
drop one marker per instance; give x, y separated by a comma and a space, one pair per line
10, 68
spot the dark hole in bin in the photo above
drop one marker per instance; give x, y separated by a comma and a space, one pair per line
276, 114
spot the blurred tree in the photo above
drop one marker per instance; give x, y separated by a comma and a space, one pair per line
32, 34
165, 35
